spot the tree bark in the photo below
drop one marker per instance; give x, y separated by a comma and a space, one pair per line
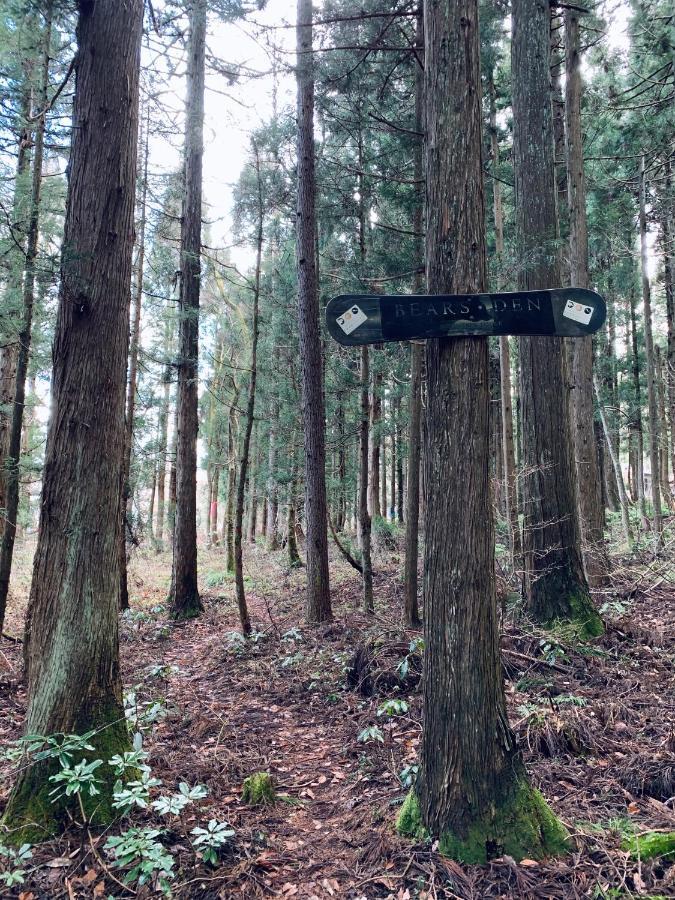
318, 605
652, 400
412, 513
163, 440
591, 512
71, 643
248, 424
11, 475
506, 390
472, 791
636, 419
618, 474
364, 515
555, 582
134, 347
184, 600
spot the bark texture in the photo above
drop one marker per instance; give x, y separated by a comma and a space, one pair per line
185, 602
555, 582
11, 477
318, 606
71, 643
591, 513
472, 790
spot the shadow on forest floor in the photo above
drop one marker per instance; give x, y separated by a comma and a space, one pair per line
595, 724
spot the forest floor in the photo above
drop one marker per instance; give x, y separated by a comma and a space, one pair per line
595, 723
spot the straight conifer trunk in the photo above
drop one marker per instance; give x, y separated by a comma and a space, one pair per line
184, 600
555, 582
652, 399
134, 348
364, 515
472, 792
71, 642
318, 606
11, 477
591, 513
412, 513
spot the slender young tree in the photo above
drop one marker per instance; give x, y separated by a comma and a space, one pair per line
318, 606
472, 791
184, 600
250, 409
12, 470
652, 401
71, 642
132, 382
555, 582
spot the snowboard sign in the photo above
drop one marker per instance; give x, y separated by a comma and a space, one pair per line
355, 319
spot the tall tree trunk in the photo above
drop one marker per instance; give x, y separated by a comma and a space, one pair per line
364, 515
412, 512
651, 368
272, 531
12, 462
9, 351
663, 429
294, 560
375, 427
472, 791
253, 488
395, 452
213, 510
636, 419
591, 512
184, 600
228, 521
134, 347
618, 474
555, 582
507, 444
163, 441
318, 605
71, 643
248, 423
341, 518
668, 278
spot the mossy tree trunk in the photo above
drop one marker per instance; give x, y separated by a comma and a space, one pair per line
555, 582
472, 790
71, 644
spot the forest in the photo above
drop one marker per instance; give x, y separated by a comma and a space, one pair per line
337, 449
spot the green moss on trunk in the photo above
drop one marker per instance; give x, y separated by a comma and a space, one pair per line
586, 617
34, 814
258, 789
522, 826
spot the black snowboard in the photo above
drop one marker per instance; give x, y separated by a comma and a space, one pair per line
354, 319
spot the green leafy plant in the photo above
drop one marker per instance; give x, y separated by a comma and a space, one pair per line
13, 864
78, 779
209, 840
408, 774
148, 859
371, 733
134, 793
174, 804
393, 708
